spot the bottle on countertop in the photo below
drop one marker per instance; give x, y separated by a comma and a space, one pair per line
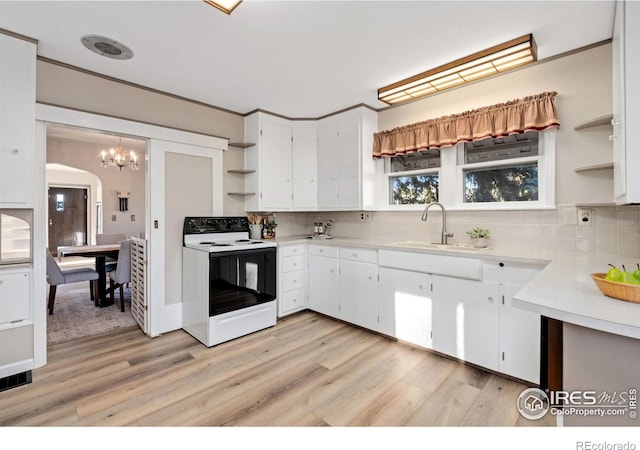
320, 228
315, 227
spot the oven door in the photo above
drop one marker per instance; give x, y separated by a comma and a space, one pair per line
240, 279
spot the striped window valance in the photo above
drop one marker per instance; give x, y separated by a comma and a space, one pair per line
537, 112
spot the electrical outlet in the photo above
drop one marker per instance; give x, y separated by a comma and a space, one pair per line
133, 217
365, 216
585, 217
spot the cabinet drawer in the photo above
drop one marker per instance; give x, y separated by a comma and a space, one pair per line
292, 300
293, 280
292, 263
513, 273
292, 250
323, 250
359, 254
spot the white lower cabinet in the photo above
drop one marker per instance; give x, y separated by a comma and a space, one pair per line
466, 321
519, 329
405, 305
358, 287
323, 280
467, 315
15, 297
519, 338
292, 279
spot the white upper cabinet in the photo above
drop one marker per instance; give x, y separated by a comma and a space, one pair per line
17, 120
626, 101
310, 164
305, 165
284, 161
345, 143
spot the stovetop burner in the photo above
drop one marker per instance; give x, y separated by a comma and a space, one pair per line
220, 234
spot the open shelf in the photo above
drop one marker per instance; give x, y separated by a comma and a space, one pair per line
241, 144
243, 194
593, 167
603, 120
242, 171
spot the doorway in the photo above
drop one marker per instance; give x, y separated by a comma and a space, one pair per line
67, 217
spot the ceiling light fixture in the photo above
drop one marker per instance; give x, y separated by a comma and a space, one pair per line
119, 157
226, 6
506, 56
105, 46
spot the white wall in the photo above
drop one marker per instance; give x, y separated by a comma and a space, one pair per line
62, 86
583, 83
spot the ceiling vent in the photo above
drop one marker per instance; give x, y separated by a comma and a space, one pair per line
106, 47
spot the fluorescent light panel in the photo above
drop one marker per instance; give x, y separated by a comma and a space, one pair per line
226, 6
506, 56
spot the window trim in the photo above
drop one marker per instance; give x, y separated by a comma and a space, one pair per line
451, 179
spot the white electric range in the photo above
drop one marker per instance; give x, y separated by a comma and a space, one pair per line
228, 280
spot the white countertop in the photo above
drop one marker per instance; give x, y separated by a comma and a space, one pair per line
563, 290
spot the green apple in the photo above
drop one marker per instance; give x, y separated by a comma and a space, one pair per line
614, 274
627, 277
636, 273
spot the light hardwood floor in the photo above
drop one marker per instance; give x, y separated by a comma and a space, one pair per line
308, 370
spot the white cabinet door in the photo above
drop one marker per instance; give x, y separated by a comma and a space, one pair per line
276, 186
405, 305
349, 149
323, 285
15, 297
626, 99
305, 166
327, 163
358, 295
17, 119
466, 320
519, 338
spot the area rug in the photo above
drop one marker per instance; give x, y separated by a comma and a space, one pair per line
75, 315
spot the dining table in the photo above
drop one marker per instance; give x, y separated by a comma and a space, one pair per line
100, 253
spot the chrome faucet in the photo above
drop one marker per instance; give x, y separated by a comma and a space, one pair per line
445, 235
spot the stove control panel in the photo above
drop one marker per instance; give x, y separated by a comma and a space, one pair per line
206, 225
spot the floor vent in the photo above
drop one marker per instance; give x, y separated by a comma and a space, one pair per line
15, 380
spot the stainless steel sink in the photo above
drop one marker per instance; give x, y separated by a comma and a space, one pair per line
468, 248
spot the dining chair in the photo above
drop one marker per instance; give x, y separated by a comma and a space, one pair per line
122, 273
114, 238
57, 276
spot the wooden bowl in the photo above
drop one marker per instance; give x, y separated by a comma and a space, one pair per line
614, 289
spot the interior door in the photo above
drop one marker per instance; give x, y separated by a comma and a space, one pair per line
184, 180
67, 217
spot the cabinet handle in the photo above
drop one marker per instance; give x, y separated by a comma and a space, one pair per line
370, 278
15, 151
355, 255
295, 264
295, 300
421, 287
490, 299
295, 281
612, 137
331, 270
321, 250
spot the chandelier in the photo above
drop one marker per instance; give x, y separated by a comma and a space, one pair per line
119, 157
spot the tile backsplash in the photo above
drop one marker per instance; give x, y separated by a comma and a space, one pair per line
613, 231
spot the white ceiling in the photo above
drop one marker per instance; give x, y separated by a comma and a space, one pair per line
295, 58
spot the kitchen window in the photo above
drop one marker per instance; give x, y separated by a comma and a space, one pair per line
414, 178
510, 172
